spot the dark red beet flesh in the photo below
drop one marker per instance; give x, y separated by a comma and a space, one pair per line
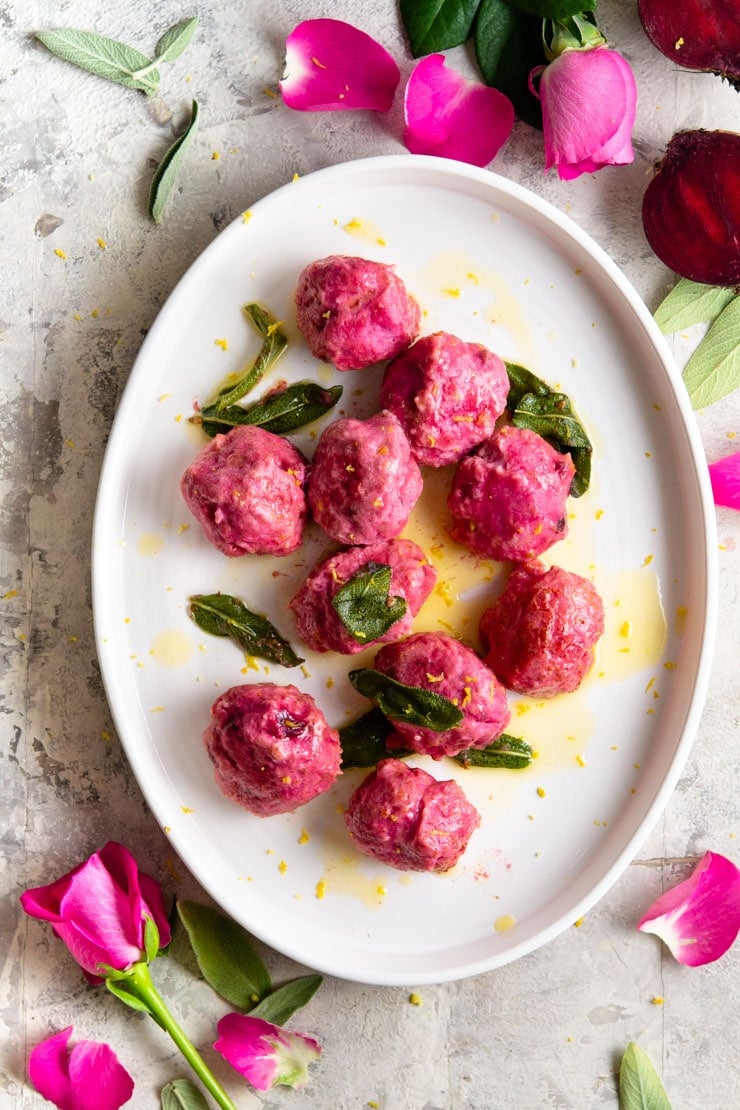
691, 208
696, 34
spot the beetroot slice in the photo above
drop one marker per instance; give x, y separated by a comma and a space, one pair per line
691, 208
696, 34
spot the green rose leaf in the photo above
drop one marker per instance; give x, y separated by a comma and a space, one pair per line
225, 955
434, 25
151, 939
283, 1002
166, 173
534, 405
413, 704
364, 604
182, 1094
273, 345
279, 412
713, 370
115, 61
554, 9
363, 741
689, 303
508, 752
508, 46
639, 1085
176, 40
223, 615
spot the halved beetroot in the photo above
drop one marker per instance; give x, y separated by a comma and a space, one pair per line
691, 208
696, 34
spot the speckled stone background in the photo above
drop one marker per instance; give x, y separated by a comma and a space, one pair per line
84, 273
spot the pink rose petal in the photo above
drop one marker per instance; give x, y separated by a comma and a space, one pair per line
265, 1054
331, 66
700, 918
589, 101
725, 478
90, 1077
452, 117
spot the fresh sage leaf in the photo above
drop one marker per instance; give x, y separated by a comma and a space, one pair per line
283, 1002
554, 9
689, 303
364, 605
182, 1094
225, 955
223, 615
713, 370
434, 25
115, 61
412, 704
176, 40
168, 169
533, 404
508, 752
274, 342
363, 741
508, 46
279, 412
640, 1087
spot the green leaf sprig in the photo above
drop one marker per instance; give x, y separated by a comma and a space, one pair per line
640, 1087
533, 404
116, 61
229, 962
507, 36
363, 741
280, 411
412, 704
713, 370
182, 1094
364, 603
274, 342
166, 173
507, 752
224, 615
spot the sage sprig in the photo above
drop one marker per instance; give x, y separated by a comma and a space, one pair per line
507, 752
364, 605
274, 342
182, 1094
168, 169
363, 741
414, 705
534, 405
640, 1087
280, 412
117, 61
224, 615
713, 370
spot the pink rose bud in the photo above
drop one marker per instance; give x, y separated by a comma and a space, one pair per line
589, 100
99, 910
699, 919
87, 1077
265, 1054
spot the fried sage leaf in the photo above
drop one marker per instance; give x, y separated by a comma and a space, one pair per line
534, 405
167, 170
363, 741
279, 412
274, 342
364, 604
507, 751
223, 615
412, 704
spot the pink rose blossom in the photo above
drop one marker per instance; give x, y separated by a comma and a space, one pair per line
265, 1054
699, 919
331, 66
725, 478
588, 99
99, 910
452, 117
87, 1077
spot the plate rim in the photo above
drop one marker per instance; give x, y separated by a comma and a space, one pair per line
109, 476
